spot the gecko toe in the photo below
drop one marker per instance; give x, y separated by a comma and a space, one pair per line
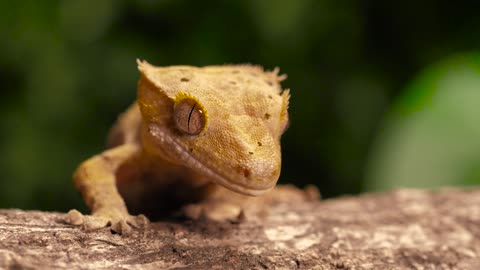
138, 222
121, 227
74, 217
92, 222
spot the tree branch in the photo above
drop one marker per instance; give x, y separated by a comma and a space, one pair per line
406, 229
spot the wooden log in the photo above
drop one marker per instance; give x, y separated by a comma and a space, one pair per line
404, 229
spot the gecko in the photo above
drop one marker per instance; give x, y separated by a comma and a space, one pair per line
190, 131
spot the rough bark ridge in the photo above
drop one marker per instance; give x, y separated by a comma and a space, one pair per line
406, 229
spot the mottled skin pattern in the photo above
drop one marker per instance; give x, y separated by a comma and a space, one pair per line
238, 148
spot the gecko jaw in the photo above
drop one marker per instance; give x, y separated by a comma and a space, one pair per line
181, 155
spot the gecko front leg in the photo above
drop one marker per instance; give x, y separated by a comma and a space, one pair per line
96, 180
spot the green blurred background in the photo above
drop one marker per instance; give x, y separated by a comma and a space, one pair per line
384, 94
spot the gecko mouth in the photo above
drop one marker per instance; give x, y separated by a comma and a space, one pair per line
168, 144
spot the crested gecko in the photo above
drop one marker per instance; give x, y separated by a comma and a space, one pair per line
190, 129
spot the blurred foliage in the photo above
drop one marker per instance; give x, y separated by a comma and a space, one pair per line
432, 135
67, 68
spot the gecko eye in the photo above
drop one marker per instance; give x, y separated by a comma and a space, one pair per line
189, 116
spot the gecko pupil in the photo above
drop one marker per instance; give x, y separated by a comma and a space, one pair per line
190, 116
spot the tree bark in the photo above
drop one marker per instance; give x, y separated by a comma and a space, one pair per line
404, 229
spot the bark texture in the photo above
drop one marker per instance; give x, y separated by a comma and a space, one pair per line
405, 229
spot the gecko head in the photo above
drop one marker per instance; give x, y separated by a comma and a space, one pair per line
224, 122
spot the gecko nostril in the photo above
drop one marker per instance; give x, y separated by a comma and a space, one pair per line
246, 173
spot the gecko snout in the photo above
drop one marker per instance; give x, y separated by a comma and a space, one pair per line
259, 173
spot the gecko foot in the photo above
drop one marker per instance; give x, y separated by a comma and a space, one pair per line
118, 222
214, 211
